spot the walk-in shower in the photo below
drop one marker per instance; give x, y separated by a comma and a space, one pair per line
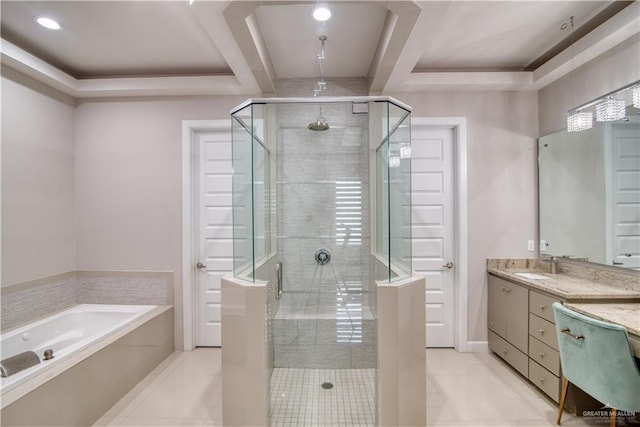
321, 219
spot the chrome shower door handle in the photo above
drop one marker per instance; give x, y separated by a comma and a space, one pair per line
200, 266
278, 280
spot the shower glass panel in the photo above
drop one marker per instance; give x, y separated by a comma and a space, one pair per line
251, 186
337, 207
393, 194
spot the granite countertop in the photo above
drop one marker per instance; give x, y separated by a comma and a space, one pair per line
624, 314
564, 285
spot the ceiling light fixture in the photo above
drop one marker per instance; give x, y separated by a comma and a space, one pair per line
48, 23
321, 13
636, 96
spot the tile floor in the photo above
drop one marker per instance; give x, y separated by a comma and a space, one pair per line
298, 397
463, 389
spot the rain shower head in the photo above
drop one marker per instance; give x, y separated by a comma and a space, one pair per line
319, 124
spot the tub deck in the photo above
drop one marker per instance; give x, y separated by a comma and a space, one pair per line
121, 356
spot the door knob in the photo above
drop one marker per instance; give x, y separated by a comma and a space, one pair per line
200, 266
448, 265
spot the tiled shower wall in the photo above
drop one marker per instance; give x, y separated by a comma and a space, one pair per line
324, 319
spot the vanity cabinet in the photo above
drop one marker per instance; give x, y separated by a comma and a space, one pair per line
508, 318
521, 322
544, 357
522, 332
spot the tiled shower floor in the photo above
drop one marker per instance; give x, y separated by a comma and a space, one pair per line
298, 399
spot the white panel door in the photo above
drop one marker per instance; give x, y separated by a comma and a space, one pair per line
214, 231
626, 196
433, 227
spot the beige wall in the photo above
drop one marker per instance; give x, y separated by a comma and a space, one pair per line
38, 235
616, 68
501, 134
129, 183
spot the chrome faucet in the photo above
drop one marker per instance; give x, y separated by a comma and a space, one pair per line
554, 265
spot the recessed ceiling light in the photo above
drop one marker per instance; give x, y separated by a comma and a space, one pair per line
321, 13
48, 23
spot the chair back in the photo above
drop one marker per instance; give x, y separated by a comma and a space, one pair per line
597, 357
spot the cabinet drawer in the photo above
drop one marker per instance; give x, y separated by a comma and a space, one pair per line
540, 305
543, 330
544, 355
509, 353
544, 380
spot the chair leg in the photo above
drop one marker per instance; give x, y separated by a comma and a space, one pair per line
614, 414
563, 397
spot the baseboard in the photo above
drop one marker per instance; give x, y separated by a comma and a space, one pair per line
478, 346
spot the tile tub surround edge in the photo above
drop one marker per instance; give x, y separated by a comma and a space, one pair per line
124, 287
567, 285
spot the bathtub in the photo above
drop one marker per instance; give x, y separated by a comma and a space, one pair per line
77, 335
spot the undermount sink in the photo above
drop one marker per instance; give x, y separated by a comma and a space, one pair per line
531, 276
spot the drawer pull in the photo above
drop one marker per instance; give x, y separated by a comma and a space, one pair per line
503, 289
507, 289
568, 332
541, 379
504, 352
542, 331
541, 355
542, 306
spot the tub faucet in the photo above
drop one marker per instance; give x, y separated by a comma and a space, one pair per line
554, 265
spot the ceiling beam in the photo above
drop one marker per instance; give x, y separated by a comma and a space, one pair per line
211, 21
401, 18
241, 20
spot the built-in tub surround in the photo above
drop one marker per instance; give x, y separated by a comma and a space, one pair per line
63, 333
27, 301
87, 377
573, 281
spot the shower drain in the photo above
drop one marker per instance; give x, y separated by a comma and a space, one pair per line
327, 386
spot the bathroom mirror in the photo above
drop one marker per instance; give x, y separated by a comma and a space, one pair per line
589, 192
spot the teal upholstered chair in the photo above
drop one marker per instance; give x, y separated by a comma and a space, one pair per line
597, 357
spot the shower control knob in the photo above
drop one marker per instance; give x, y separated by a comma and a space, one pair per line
200, 266
322, 256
